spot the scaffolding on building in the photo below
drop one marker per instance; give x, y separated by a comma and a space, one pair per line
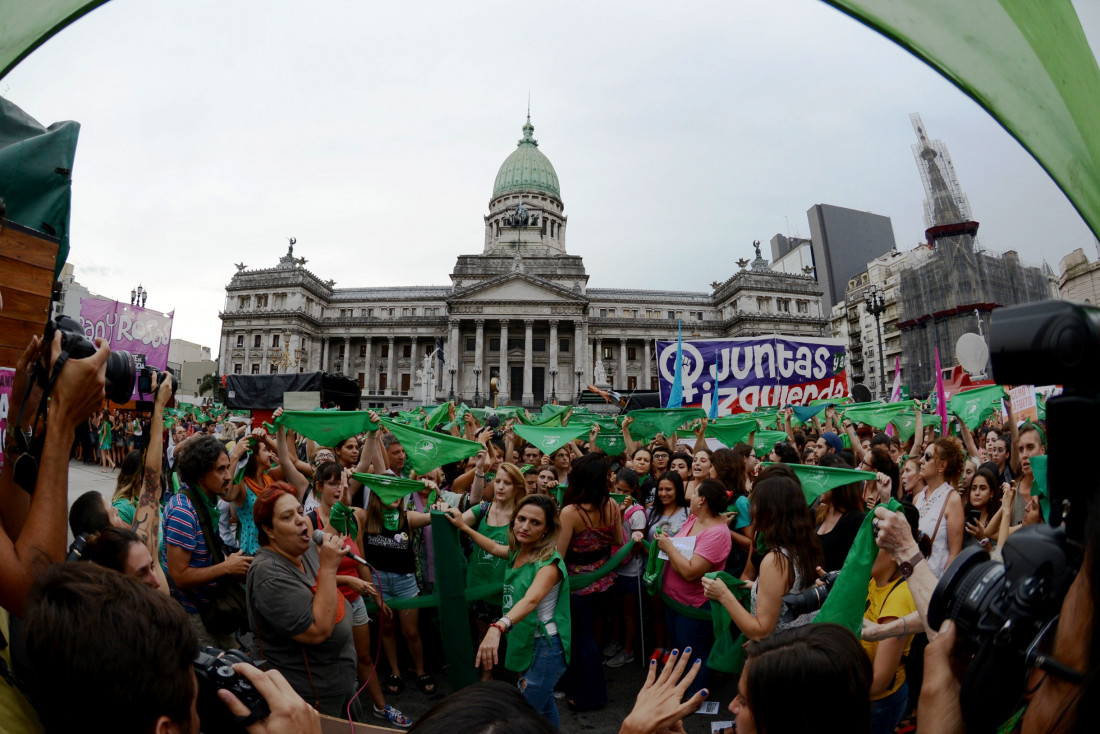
943, 298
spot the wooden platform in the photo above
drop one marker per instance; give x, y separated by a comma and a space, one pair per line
27, 260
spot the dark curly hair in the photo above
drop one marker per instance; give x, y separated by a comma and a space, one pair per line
949, 450
781, 517
198, 457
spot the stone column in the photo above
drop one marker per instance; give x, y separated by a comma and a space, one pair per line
622, 365
598, 351
454, 360
346, 367
646, 374
554, 345
414, 365
368, 365
391, 368
324, 353
528, 349
502, 383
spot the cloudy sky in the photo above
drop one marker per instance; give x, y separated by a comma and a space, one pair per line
212, 130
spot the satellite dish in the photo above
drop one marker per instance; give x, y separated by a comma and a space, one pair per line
972, 353
861, 393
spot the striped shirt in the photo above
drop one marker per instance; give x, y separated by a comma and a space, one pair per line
181, 528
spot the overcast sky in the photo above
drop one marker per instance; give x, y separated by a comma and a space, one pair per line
212, 130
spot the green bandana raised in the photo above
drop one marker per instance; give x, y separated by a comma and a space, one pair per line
326, 427
765, 441
389, 489
548, 439
342, 519
974, 406
876, 415
817, 480
427, 450
663, 420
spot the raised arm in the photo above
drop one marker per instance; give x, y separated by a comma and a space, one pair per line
1014, 449
147, 515
700, 436
628, 440
290, 470
968, 439
853, 439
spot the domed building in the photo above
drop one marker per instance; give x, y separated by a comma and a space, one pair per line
517, 325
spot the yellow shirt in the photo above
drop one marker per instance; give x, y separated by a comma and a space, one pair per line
885, 602
16, 714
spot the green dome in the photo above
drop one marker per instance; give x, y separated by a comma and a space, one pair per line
526, 169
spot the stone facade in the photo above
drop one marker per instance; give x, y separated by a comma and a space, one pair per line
1079, 279
518, 324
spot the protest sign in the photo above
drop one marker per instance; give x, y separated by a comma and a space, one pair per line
1024, 406
143, 332
755, 372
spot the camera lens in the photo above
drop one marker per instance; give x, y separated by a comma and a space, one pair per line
120, 376
966, 591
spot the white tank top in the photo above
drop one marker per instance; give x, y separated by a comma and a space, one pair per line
930, 505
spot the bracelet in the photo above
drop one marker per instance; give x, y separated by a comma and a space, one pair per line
506, 618
479, 476
498, 627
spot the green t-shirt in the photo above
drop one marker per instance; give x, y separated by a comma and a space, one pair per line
485, 568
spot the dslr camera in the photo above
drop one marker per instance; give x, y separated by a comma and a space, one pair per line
1005, 613
811, 598
74, 345
145, 379
214, 671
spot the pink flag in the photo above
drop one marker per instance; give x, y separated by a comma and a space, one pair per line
941, 396
895, 392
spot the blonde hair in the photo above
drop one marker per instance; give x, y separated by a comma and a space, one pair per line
519, 484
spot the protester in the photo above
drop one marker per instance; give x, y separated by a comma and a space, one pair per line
106, 441
107, 680
492, 519
491, 706
941, 510
186, 555
258, 475
590, 524
789, 564
683, 583
838, 518
981, 507
537, 610
620, 650
912, 483
121, 549
301, 622
701, 468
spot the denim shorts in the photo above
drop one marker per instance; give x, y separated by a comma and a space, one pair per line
359, 616
397, 585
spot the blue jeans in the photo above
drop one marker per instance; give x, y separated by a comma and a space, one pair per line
537, 682
887, 712
696, 634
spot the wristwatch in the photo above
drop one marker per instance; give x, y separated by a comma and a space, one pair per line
906, 567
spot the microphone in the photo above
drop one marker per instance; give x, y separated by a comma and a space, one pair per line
319, 539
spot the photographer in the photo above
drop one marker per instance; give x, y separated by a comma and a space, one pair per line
33, 532
187, 558
92, 636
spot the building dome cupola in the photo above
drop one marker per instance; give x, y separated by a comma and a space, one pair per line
527, 169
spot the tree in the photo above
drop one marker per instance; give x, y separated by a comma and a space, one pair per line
209, 383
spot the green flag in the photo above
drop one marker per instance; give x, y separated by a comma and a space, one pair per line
732, 433
876, 415
817, 480
427, 450
765, 441
611, 443
1027, 63
549, 439
540, 419
906, 423
326, 427
438, 415
388, 488
974, 406
664, 420
847, 601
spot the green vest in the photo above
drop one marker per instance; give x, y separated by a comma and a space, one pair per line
521, 638
485, 568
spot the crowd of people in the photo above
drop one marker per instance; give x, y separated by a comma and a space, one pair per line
232, 560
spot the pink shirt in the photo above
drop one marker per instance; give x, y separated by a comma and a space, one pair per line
713, 544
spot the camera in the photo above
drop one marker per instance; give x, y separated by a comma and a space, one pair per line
120, 364
145, 379
999, 610
811, 599
1003, 611
214, 671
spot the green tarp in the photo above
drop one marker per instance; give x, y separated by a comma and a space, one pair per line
1027, 62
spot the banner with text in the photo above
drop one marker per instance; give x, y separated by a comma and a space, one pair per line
143, 332
755, 372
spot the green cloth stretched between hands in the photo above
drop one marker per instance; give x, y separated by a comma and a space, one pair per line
328, 428
817, 480
549, 439
426, 450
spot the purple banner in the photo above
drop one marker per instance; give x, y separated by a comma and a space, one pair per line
7, 376
755, 371
143, 332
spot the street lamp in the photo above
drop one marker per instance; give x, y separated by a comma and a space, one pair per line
578, 373
874, 300
477, 387
451, 396
138, 296
553, 386
285, 358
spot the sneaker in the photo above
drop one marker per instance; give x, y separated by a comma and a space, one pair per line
393, 716
611, 648
559, 695
621, 659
